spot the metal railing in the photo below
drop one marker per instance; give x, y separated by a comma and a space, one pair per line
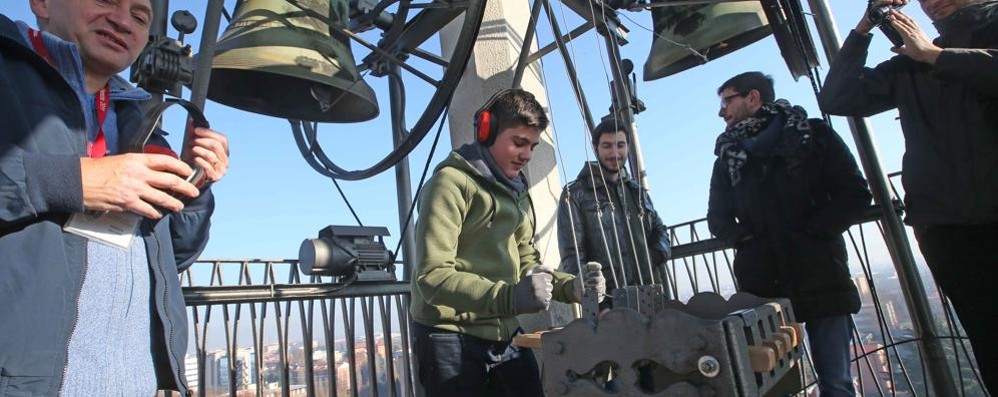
296, 342
285, 334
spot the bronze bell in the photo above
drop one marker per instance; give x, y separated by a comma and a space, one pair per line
713, 30
277, 58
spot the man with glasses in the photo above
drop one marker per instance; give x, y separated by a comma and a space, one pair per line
783, 190
946, 93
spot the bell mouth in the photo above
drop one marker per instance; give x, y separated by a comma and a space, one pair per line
722, 29
311, 87
284, 60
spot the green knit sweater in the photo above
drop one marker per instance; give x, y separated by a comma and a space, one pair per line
473, 244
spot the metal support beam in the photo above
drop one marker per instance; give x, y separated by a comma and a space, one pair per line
585, 27
206, 52
160, 14
600, 15
625, 109
528, 39
674, 3
895, 235
396, 90
569, 66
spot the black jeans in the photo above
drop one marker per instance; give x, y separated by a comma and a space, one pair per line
453, 364
962, 260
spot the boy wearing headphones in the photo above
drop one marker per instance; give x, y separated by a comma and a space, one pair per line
476, 266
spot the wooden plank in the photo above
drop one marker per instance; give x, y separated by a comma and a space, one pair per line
792, 333
778, 345
762, 358
531, 341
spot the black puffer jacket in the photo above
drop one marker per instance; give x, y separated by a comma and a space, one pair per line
787, 224
949, 115
585, 208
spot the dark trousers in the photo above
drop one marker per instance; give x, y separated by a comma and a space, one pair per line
828, 338
963, 262
453, 364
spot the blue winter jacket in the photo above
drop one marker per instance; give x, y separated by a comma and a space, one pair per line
42, 138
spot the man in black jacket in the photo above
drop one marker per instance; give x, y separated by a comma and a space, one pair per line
604, 216
783, 190
946, 92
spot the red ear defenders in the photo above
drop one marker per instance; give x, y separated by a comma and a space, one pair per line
485, 123
483, 128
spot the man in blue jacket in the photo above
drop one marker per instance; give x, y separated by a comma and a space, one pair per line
86, 313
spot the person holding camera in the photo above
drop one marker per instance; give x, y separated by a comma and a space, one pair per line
946, 91
92, 237
476, 264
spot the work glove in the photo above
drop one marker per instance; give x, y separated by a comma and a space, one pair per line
533, 293
592, 277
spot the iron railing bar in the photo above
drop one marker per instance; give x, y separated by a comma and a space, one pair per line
403, 314
306, 325
327, 328
386, 328
864, 257
199, 296
367, 311
349, 331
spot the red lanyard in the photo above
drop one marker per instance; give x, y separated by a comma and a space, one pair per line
97, 148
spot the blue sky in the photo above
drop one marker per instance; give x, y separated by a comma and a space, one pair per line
271, 199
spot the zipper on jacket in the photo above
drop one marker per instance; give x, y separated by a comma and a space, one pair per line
76, 315
181, 381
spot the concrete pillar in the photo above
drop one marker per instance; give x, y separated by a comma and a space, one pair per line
490, 69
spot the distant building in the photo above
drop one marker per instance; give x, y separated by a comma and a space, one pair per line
245, 368
216, 372
873, 373
191, 371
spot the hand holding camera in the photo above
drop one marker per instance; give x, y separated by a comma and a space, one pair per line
878, 15
908, 38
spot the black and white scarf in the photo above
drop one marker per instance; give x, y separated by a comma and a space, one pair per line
793, 142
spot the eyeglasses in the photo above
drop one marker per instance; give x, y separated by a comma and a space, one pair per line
725, 101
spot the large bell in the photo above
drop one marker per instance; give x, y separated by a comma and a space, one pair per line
713, 30
277, 58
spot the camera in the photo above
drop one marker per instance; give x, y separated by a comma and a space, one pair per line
878, 17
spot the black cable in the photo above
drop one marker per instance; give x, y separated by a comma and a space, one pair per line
347, 201
305, 139
419, 188
311, 132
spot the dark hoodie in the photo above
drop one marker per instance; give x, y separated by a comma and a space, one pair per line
479, 157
